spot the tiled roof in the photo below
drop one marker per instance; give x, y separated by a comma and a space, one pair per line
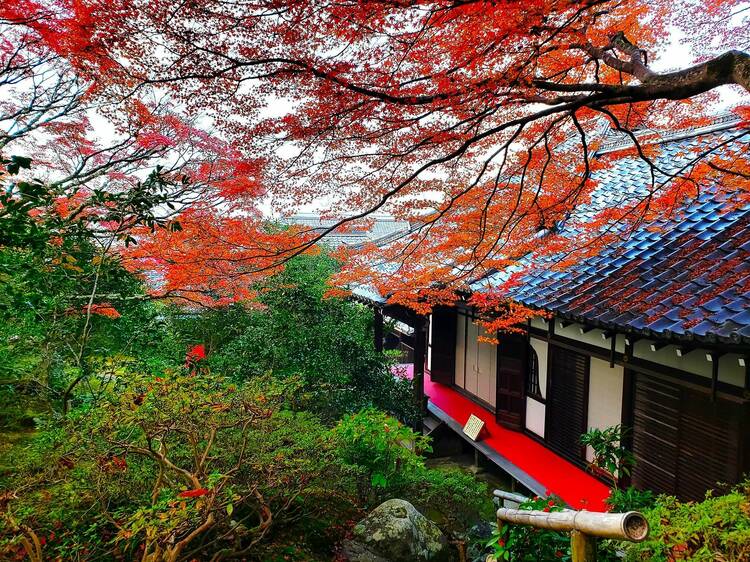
688, 279
376, 229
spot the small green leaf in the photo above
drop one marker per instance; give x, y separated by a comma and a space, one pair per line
378, 480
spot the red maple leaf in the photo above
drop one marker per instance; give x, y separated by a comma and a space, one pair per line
193, 493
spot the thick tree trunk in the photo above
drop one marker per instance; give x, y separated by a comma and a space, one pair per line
733, 67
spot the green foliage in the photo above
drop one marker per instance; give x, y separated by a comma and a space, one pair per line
29, 220
47, 339
609, 453
298, 331
524, 543
387, 455
164, 464
57, 269
153, 461
452, 498
630, 499
718, 528
189, 466
380, 444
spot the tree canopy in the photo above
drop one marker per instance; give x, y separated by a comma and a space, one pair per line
476, 121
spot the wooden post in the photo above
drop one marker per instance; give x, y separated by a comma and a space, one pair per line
420, 348
582, 547
378, 330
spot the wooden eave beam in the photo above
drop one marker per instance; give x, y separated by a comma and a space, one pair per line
612, 349
683, 350
714, 357
631, 340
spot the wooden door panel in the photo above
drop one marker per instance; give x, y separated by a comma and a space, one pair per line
443, 346
567, 403
683, 442
512, 355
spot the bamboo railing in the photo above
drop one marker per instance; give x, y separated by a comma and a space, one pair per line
585, 527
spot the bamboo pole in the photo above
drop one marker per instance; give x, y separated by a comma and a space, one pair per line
630, 526
511, 496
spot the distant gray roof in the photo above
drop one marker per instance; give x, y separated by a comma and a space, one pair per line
376, 229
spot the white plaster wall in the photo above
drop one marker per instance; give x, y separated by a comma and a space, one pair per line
429, 345
460, 351
605, 396
695, 362
486, 369
540, 347
730, 371
593, 337
535, 412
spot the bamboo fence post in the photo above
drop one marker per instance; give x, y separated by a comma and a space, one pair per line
584, 527
582, 547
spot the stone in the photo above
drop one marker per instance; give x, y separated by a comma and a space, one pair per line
396, 532
357, 552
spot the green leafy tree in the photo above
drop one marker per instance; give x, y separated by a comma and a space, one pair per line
179, 467
63, 288
389, 462
298, 330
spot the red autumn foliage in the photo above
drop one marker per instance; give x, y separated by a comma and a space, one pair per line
193, 493
196, 353
475, 121
103, 309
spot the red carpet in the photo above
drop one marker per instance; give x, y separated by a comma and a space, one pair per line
576, 487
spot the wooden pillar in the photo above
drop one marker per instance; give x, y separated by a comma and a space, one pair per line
628, 404
420, 349
378, 330
582, 547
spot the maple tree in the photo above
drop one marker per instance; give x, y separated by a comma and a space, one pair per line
477, 121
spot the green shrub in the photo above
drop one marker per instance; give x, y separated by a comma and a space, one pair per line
452, 498
718, 528
387, 455
164, 465
381, 445
630, 499
609, 453
190, 466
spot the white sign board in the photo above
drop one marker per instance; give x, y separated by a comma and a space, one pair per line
473, 427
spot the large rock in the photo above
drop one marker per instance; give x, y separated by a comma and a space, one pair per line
396, 532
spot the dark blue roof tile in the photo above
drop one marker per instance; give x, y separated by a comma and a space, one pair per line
690, 276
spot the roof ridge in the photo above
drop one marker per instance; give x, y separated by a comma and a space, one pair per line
719, 123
